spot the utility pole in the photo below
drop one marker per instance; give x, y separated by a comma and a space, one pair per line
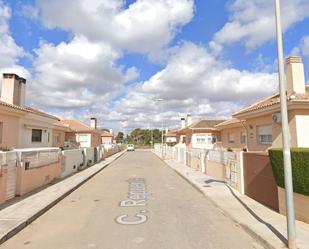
285, 137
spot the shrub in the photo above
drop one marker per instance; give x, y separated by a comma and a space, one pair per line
300, 168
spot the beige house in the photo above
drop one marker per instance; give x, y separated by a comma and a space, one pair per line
59, 134
200, 134
170, 137
263, 119
86, 135
22, 126
233, 134
107, 137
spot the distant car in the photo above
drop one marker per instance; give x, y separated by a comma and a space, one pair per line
130, 147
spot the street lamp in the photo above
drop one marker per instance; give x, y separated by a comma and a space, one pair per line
161, 100
285, 137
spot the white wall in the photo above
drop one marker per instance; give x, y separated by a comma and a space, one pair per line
71, 161
84, 140
207, 144
302, 128
30, 122
171, 139
89, 156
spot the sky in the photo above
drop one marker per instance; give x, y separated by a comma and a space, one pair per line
113, 59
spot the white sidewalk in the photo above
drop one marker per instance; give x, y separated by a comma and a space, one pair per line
268, 226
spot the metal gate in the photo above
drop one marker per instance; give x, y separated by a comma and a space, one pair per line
95, 155
231, 172
9, 159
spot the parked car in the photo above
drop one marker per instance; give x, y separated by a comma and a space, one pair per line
130, 147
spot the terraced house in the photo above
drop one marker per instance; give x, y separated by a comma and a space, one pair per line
22, 126
86, 135
263, 119
200, 134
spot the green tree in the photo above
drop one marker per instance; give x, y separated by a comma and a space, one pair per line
120, 137
144, 137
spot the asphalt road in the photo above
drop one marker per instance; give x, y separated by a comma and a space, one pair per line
137, 202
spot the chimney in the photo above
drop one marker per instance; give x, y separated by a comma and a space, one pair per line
93, 123
13, 89
183, 123
295, 76
111, 131
189, 119
166, 131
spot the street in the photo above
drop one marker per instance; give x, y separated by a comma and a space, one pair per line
136, 202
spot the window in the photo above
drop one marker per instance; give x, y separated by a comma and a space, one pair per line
264, 134
231, 138
1, 132
36, 135
201, 140
243, 137
83, 138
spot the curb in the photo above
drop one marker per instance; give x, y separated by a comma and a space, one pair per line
245, 227
29, 220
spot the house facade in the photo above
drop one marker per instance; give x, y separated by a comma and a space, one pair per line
263, 119
86, 135
200, 134
233, 134
22, 126
59, 135
170, 137
107, 137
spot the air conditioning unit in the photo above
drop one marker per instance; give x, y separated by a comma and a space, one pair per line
276, 117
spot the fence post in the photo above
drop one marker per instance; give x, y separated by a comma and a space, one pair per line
242, 177
203, 168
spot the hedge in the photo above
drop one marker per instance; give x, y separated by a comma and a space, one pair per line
300, 168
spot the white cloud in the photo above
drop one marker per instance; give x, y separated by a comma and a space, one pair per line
29, 11
144, 26
77, 74
304, 46
82, 76
9, 50
194, 80
253, 22
193, 71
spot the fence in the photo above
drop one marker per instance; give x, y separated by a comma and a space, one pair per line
33, 158
71, 161
88, 156
25, 170
8, 174
219, 164
260, 183
36, 168
220, 156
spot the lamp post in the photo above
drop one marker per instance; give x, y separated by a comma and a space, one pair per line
285, 137
161, 100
